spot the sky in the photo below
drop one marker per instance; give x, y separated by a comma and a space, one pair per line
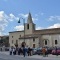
45, 14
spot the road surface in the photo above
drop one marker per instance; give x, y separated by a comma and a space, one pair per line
36, 57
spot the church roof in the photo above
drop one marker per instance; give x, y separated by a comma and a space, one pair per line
29, 20
48, 31
15, 31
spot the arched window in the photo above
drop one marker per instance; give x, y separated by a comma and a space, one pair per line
56, 42
45, 42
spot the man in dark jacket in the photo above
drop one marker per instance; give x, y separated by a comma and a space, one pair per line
24, 51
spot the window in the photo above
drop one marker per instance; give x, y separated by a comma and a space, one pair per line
20, 36
27, 26
33, 39
12, 36
12, 41
16, 41
55, 41
45, 42
33, 45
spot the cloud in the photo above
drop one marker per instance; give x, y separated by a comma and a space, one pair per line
53, 18
23, 15
39, 28
5, 19
12, 17
57, 25
19, 28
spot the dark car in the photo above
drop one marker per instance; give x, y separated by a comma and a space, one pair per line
49, 50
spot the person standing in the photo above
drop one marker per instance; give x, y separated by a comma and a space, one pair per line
24, 51
46, 53
43, 51
11, 50
29, 51
14, 51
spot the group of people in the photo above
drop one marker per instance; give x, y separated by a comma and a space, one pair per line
25, 51
21, 51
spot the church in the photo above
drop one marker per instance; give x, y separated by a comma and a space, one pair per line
35, 38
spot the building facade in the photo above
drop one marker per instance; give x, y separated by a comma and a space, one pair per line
35, 38
4, 41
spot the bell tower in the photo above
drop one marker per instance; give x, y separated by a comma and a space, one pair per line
29, 26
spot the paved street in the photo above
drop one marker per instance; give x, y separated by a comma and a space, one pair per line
6, 56
12, 57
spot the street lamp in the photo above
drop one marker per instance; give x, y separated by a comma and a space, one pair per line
23, 43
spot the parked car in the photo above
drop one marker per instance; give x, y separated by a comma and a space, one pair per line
34, 51
56, 51
6, 48
49, 50
37, 51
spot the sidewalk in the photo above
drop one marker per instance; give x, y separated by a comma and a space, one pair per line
34, 56
4, 52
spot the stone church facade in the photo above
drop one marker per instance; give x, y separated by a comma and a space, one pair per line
35, 38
